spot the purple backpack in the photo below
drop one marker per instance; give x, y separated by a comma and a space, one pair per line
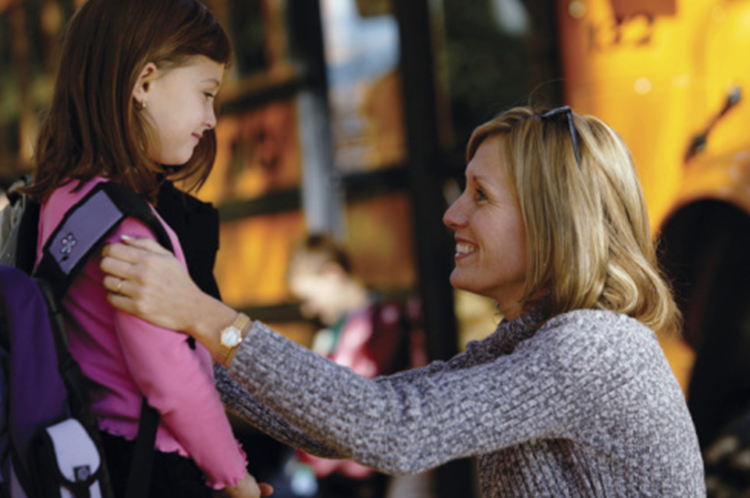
49, 439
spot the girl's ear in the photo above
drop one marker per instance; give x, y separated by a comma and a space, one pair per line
142, 86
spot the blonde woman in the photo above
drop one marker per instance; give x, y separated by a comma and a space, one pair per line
570, 396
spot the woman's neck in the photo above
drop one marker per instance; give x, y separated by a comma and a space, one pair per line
511, 312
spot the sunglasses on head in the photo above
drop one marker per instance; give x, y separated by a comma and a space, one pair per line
566, 110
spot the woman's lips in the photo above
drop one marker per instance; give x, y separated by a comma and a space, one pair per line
464, 249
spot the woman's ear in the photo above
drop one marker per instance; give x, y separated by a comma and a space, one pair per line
143, 85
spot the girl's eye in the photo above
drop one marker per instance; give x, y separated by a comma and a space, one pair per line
209, 95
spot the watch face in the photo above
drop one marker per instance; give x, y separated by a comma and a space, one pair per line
231, 337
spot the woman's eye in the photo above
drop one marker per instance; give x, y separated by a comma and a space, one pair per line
209, 95
480, 195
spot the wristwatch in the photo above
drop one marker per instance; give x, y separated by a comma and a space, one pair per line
231, 337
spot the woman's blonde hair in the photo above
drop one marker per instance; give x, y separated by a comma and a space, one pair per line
588, 235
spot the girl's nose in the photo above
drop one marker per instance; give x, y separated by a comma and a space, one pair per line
211, 120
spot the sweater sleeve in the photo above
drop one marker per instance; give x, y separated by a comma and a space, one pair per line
248, 408
178, 382
409, 422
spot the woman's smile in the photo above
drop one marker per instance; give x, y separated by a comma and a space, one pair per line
464, 249
487, 216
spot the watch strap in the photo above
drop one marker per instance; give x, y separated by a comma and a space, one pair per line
241, 324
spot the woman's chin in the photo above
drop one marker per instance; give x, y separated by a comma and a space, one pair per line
459, 283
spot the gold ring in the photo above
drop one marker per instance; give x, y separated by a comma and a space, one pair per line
119, 286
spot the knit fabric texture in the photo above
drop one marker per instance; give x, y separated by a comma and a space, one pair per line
586, 405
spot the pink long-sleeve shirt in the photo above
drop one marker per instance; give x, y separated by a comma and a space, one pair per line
127, 358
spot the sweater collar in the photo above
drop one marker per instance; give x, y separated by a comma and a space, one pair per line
510, 333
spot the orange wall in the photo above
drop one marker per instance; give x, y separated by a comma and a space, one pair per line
658, 71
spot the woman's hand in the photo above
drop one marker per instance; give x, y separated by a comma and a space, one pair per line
247, 487
147, 280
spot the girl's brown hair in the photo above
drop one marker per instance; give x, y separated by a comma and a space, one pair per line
588, 235
93, 127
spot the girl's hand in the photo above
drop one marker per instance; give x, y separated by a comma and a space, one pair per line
247, 487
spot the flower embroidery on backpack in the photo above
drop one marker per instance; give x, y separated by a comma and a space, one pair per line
67, 246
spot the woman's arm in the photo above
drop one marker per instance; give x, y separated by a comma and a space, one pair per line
480, 401
248, 408
404, 423
159, 290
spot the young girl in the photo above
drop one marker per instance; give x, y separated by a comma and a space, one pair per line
133, 104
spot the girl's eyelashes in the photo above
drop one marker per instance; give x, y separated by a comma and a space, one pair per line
209, 95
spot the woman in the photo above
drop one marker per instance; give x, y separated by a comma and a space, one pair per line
570, 396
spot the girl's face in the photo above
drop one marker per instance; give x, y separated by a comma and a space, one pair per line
489, 231
179, 102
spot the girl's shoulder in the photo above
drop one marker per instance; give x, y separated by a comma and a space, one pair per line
61, 200
66, 195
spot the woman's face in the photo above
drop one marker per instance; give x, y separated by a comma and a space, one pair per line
489, 231
180, 104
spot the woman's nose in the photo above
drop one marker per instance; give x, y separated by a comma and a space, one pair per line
454, 217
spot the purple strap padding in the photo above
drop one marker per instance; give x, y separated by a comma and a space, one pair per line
36, 392
82, 230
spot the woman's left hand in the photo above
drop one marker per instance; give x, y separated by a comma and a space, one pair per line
147, 280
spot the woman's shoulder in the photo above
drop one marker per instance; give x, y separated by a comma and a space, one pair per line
590, 318
599, 345
598, 328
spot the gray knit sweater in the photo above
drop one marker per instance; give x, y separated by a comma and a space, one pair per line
585, 406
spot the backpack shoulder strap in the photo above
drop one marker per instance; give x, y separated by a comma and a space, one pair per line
85, 225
